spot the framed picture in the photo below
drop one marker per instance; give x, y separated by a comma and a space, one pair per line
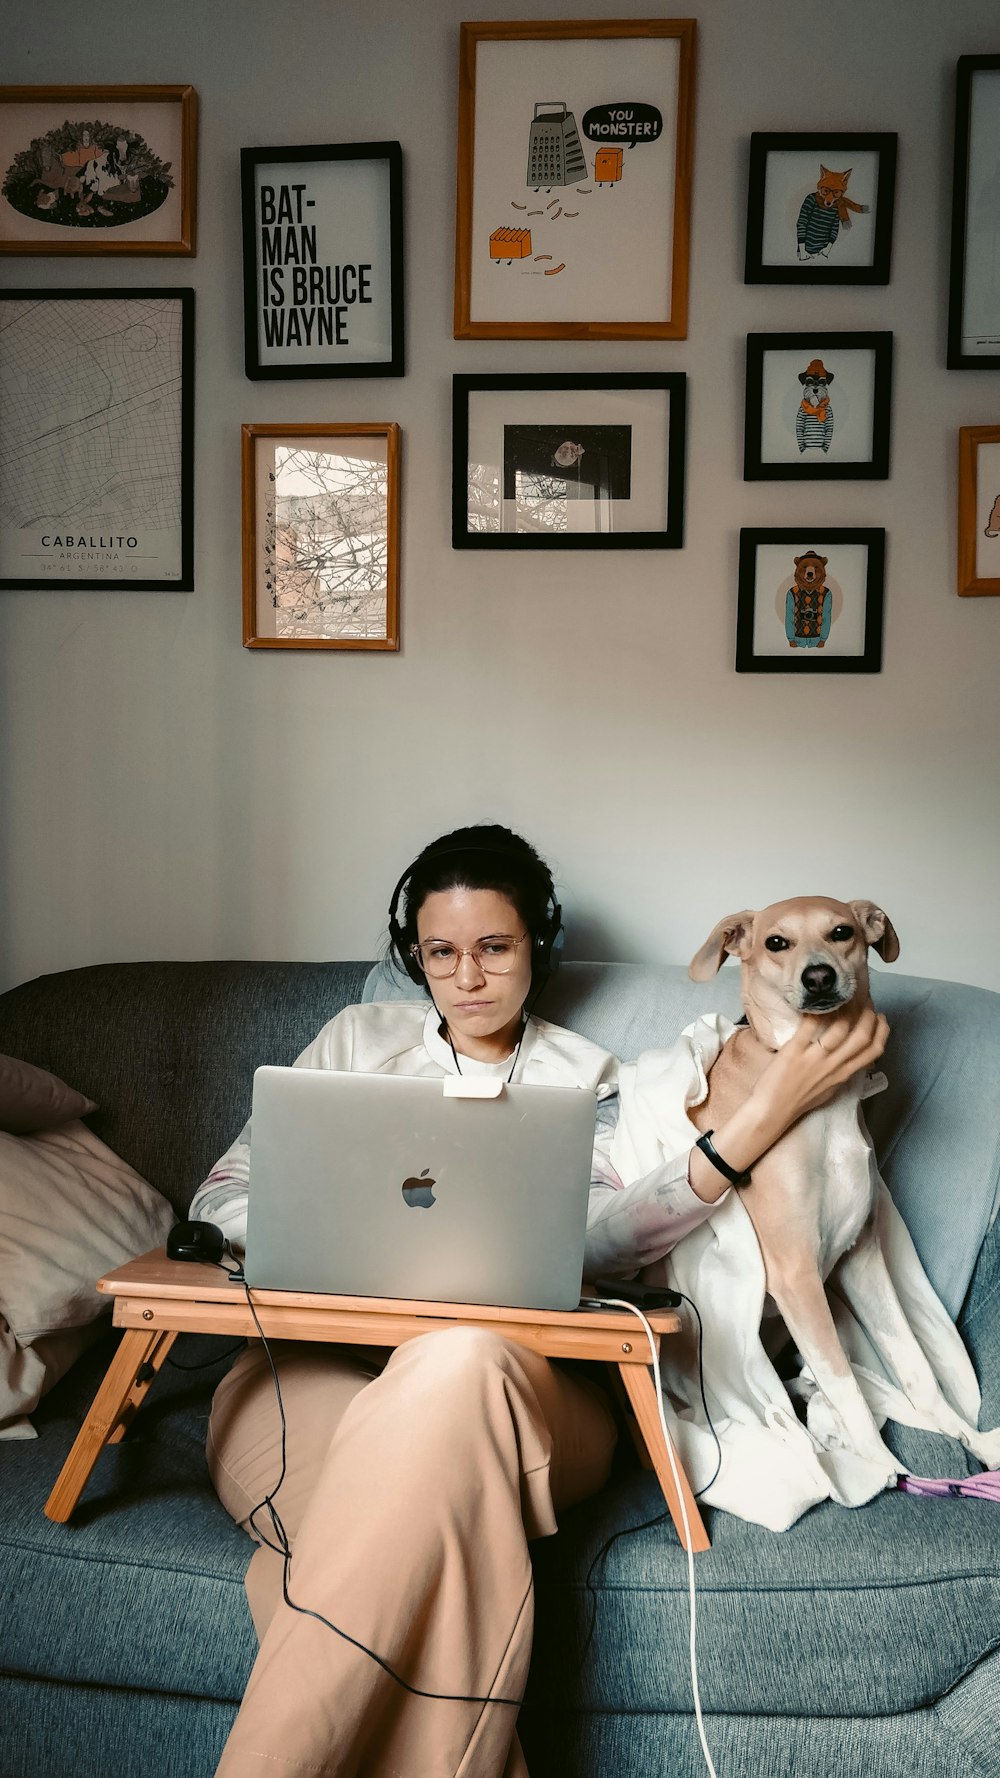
810, 601
819, 209
565, 462
574, 211
974, 295
323, 260
321, 536
979, 509
96, 444
817, 406
97, 169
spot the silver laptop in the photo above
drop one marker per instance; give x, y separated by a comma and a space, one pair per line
380, 1185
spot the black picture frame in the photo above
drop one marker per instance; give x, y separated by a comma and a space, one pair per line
137, 433
987, 354
603, 492
333, 290
820, 147
805, 657
815, 464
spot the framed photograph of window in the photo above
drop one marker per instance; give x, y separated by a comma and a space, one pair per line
979, 509
974, 295
810, 601
323, 260
817, 406
321, 536
574, 210
96, 446
819, 208
98, 169
569, 462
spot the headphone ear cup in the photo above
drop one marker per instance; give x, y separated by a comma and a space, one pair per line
412, 969
549, 943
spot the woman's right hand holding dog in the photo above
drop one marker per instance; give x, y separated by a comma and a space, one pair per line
820, 1058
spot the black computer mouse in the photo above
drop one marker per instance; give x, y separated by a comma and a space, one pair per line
195, 1240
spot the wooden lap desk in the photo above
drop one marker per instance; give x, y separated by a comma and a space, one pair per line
156, 1298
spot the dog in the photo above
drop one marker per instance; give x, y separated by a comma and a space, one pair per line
811, 1198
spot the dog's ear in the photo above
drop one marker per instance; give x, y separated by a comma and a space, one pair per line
878, 930
732, 936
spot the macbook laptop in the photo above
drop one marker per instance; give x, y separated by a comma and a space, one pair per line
383, 1185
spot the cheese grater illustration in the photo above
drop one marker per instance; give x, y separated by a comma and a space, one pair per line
555, 156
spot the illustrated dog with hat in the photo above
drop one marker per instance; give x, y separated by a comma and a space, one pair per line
814, 420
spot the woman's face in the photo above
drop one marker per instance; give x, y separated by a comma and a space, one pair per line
483, 1012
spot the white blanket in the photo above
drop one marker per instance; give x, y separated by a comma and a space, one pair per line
773, 1467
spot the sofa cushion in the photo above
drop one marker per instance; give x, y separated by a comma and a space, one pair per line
33, 1099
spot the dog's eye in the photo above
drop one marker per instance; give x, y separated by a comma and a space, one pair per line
776, 943
841, 934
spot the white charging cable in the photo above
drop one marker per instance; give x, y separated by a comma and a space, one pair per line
620, 1303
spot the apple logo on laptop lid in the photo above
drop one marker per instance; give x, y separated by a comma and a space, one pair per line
418, 1193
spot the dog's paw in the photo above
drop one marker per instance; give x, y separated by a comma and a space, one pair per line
985, 1446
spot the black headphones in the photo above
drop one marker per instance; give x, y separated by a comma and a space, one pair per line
545, 945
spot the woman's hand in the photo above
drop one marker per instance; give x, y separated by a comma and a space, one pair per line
821, 1057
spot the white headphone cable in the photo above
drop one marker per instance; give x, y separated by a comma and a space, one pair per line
620, 1303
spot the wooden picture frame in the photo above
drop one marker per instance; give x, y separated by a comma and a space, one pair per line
600, 265
97, 454
323, 260
569, 462
974, 285
803, 588
978, 510
798, 426
819, 207
321, 569
98, 169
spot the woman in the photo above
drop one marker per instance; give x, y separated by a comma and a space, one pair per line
416, 1479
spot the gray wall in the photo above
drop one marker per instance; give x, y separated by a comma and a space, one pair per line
170, 795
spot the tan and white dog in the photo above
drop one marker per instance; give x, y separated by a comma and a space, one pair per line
812, 1196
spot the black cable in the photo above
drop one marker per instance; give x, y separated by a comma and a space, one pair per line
207, 1363
284, 1549
660, 1517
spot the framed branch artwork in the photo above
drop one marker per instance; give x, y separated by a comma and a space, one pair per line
98, 169
574, 210
979, 510
96, 446
321, 536
810, 600
974, 295
819, 208
323, 260
569, 462
817, 406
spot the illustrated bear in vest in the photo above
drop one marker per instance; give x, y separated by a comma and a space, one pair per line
808, 603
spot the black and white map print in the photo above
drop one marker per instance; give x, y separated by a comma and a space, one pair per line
91, 439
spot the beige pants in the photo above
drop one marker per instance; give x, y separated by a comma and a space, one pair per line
414, 1483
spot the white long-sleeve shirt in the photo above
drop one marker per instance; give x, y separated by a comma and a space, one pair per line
627, 1226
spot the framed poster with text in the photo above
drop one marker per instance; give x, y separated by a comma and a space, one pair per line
323, 260
96, 439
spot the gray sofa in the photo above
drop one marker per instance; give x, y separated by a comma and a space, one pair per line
857, 1643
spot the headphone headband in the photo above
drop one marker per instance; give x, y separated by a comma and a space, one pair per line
544, 943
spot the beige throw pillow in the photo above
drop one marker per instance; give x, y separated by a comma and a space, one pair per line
33, 1099
70, 1210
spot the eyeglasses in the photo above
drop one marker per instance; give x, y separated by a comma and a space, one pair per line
494, 956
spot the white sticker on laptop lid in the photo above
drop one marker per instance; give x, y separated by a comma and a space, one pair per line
472, 1086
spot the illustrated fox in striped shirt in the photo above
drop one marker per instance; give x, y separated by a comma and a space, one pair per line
822, 213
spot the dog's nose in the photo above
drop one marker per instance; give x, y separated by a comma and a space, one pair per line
819, 978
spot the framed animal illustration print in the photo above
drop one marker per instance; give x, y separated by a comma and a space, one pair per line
817, 406
819, 208
810, 600
97, 169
